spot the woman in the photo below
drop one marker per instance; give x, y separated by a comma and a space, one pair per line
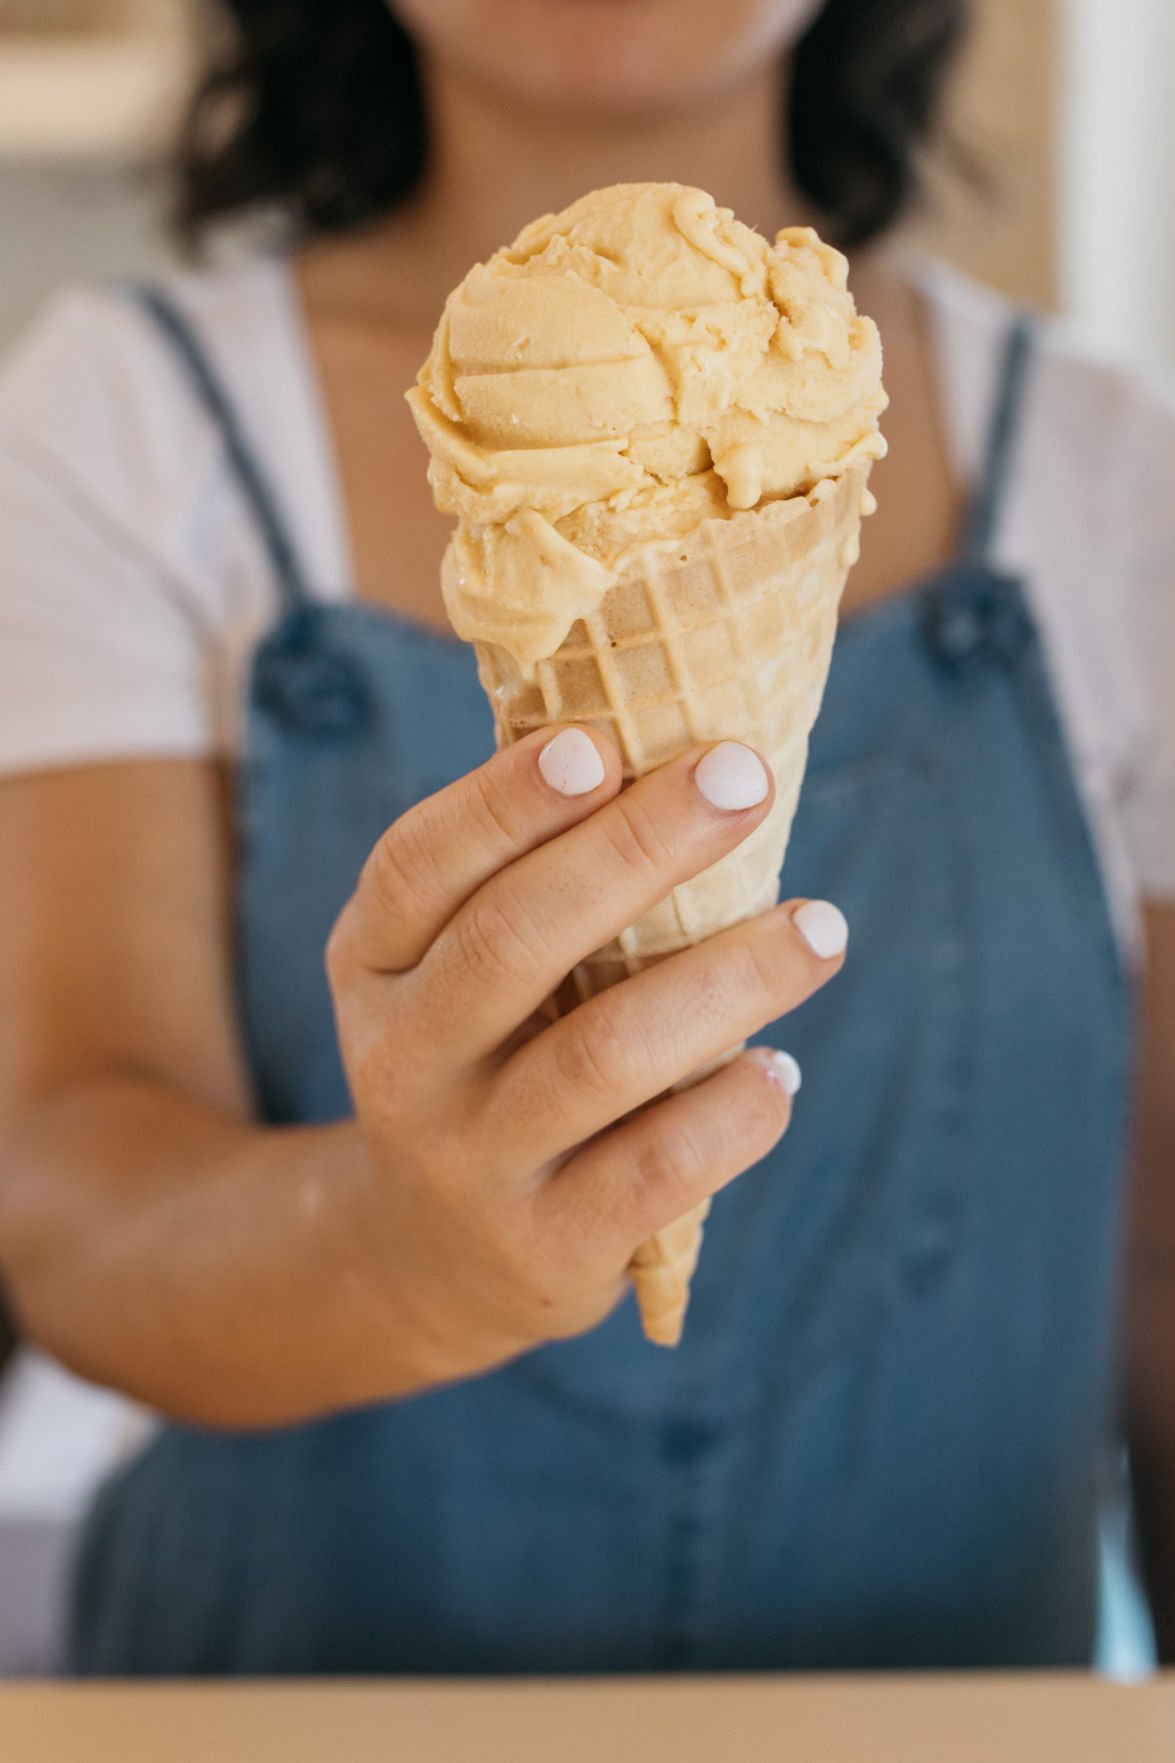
412, 1427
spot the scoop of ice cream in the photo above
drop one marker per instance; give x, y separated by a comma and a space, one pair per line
625, 370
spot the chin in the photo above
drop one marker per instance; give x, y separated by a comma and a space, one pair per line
607, 57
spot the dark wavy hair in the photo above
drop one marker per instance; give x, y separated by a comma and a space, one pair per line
313, 108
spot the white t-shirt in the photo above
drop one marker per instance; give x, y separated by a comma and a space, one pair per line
133, 585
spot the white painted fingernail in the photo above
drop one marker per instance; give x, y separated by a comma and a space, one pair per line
732, 776
780, 1067
571, 763
823, 927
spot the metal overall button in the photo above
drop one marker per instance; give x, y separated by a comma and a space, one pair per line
309, 690
976, 618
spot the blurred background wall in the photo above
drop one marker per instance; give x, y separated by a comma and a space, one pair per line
1115, 177
1061, 105
1000, 223
87, 90
87, 94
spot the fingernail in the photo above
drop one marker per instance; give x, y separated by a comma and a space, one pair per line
731, 776
780, 1067
571, 763
823, 927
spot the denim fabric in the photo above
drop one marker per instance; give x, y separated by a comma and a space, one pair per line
880, 1443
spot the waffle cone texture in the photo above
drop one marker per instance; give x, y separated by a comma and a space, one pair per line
724, 635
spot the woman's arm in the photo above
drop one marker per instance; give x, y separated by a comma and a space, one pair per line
152, 1236
1151, 1284
496, 1182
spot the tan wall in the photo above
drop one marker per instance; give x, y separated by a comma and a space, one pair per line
74, 15
1004, 112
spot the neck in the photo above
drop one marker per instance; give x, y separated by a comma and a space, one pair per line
497, 164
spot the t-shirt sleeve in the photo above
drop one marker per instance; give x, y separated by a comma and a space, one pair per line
102, 654
1148, 606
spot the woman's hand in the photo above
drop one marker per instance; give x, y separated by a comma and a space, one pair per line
502, 1169
513, 1165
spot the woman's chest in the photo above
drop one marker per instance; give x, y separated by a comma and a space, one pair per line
395, 536
962, 1076
939, 810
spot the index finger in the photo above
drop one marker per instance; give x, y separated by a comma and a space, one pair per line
437, 855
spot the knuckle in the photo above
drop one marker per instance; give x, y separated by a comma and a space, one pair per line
672, 1163
400, 870
764, 965
497, 942
494, 806
337, 953
376, 1074
756, 969
594, 1053
450, 1174
637, 840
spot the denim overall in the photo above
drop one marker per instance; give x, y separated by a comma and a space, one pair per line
882, 1440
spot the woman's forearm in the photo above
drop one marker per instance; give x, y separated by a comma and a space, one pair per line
210, 1268
1151, 1280
1151, 1384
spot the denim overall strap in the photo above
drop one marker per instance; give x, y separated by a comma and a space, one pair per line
987, 504
299, 675
248, 473
975, 613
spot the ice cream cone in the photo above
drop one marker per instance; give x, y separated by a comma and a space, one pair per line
654, 428
724, 635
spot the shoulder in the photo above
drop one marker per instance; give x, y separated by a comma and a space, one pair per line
1090, 526
93, 394
80, 376
132, 584
1092, 413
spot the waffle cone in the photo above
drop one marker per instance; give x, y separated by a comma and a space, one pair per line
726, 635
